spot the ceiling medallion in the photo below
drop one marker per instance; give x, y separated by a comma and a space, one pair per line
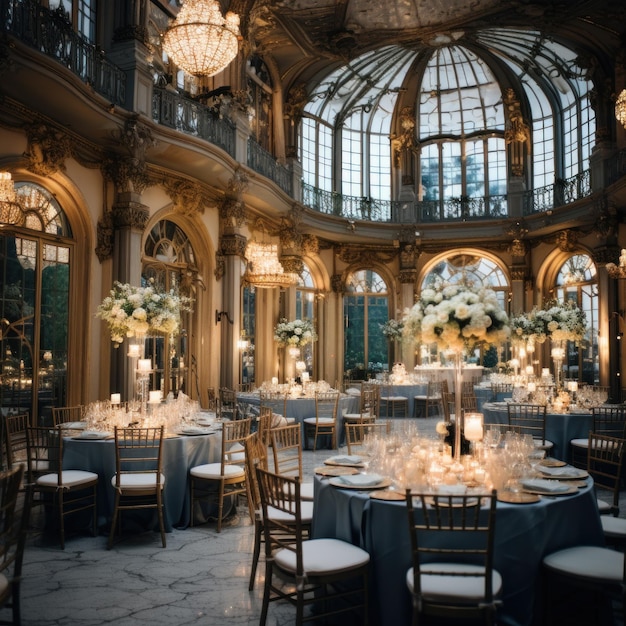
201, 41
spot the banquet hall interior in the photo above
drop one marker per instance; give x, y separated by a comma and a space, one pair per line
276, 187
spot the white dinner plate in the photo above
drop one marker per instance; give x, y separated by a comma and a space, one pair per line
92, 435
563, 473
194, 431
74, 425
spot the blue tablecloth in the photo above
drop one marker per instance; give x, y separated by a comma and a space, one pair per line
179, 455
524, 535
561, 428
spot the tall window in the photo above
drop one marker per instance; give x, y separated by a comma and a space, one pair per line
169, 261
305, 310
577, 282
260, 90
34, 306
365, 307
82, 14
248, 329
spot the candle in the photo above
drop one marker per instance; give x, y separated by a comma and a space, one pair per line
532, 387
274, 380
572, 385
479, 475
529, 370
133, 350
116, 398
545, 372
144, 365
473, 426
305, 377
155, 397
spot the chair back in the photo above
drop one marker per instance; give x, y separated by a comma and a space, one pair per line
605, 458
15, 438
256, 456
436, 524
67, 414
448, 402
326, 403
286, 531
372, 402
211, 399
13, 530
469, 402
264, 424
287, 450
227, 404
357, 432
609, 420
500, 390
44, 453
276, 401
139, 451
528, 419
234, 435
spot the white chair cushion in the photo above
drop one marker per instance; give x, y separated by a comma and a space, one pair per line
614, 527
69, 478
306, 491
321, 420
604, 506
213, 471
454, 589
138, 481
543, 444
306, 512
580, 443
323, 556
237, 452
588, 562
394, 398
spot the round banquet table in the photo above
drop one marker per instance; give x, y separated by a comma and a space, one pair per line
561, 428
525, 533
180, 453
301, 408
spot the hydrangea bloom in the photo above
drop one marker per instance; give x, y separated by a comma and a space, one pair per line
296, 333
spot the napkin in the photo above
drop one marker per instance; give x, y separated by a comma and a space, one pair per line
93, 434
452, 490
562, 472
545, 486
361, 480
193, 430
348, 458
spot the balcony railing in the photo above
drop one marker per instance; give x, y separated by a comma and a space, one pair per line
188, 116
264, 163
52, 34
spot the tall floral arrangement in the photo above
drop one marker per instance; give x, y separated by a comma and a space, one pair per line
457, 317
295, 334
558, 321
392, 329
131, 311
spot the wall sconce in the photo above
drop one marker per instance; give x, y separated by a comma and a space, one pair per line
222, 314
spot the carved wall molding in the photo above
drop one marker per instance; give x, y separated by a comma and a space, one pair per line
130, 214
519, 273
337, 283
310, 244
350, 254
606, 254
292, 264
518, 248
106, 237
566, 240
407, 277
220, 266
187, 196
48, 148
232, 214
233, 244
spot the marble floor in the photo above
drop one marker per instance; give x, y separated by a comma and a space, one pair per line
200, 578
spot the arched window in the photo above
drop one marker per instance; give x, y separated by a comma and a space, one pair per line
477, 270
305, 309
169, 261
365, 308
35, 264
577, 282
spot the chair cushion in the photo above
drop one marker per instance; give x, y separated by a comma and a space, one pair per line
604, 506
580, 443
306, 491
323, 556
237, 452
454, 589
69, 478
138, 481
213, 471
543, 444
394, 398
306, 513
321, 420
588, 562
614, 527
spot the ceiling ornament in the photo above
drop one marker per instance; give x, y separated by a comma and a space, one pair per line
202, 41
620, 108
11, 212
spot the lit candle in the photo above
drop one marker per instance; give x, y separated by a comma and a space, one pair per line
274, 380
144, 365
473, 427
155, 397
116, 398
572, 385
545, 372
133, 350
305, 377
529, 370
532, 387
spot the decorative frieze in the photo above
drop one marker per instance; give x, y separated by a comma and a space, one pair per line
48, 149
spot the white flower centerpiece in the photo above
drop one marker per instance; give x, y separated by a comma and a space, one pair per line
558, 321
392, 329
131, 311
457, 317
294, 334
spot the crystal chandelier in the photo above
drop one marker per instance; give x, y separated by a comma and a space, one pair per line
618, 271
620, 108
264, 268
11, 212
201, 41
